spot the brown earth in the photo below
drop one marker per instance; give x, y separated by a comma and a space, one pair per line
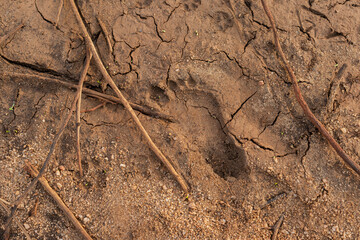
240, 138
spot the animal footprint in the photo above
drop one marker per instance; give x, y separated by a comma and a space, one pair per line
191, 5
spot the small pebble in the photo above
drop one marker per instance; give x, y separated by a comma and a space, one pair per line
231, 179
26, 226
61, 168
59, 185
57, 173
261, 83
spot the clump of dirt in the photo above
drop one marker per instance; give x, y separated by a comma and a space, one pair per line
240, 138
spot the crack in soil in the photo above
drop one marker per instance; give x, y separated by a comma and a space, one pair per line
242, 141
156, 29
303, 30
277, 74
172, 12
36, 105
315, 12
234, 60
333, 32
185, 42
45, 19
260, 145
248, 5
271, 124
249, 41
36, 68
338, 3
202, 60
212, 115
92, 125
239, 108
42, 16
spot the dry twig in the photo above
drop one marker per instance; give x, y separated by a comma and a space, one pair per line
78, 109
126, 104
277, 226
2, 203
46, 163
106, 34
94, 108
301, 100
104, 97
33, 211
33, 172
59, 12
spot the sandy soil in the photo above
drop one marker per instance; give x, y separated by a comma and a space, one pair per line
240, 138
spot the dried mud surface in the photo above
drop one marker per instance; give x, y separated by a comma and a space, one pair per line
240, 138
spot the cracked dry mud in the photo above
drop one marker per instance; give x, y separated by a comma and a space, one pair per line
240, 138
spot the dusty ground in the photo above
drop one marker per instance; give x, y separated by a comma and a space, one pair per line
240, 139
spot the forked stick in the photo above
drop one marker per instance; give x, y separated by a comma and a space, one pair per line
301, 100
2, 203
33, 172
44, 167
126, 104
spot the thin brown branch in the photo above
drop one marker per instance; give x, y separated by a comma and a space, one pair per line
45, 164
33, 211
142, 109
126, 104
94, 108
4, 201
106, 34
277, 226
33, 172
59, 12
301, 100
78, 109
6, 208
